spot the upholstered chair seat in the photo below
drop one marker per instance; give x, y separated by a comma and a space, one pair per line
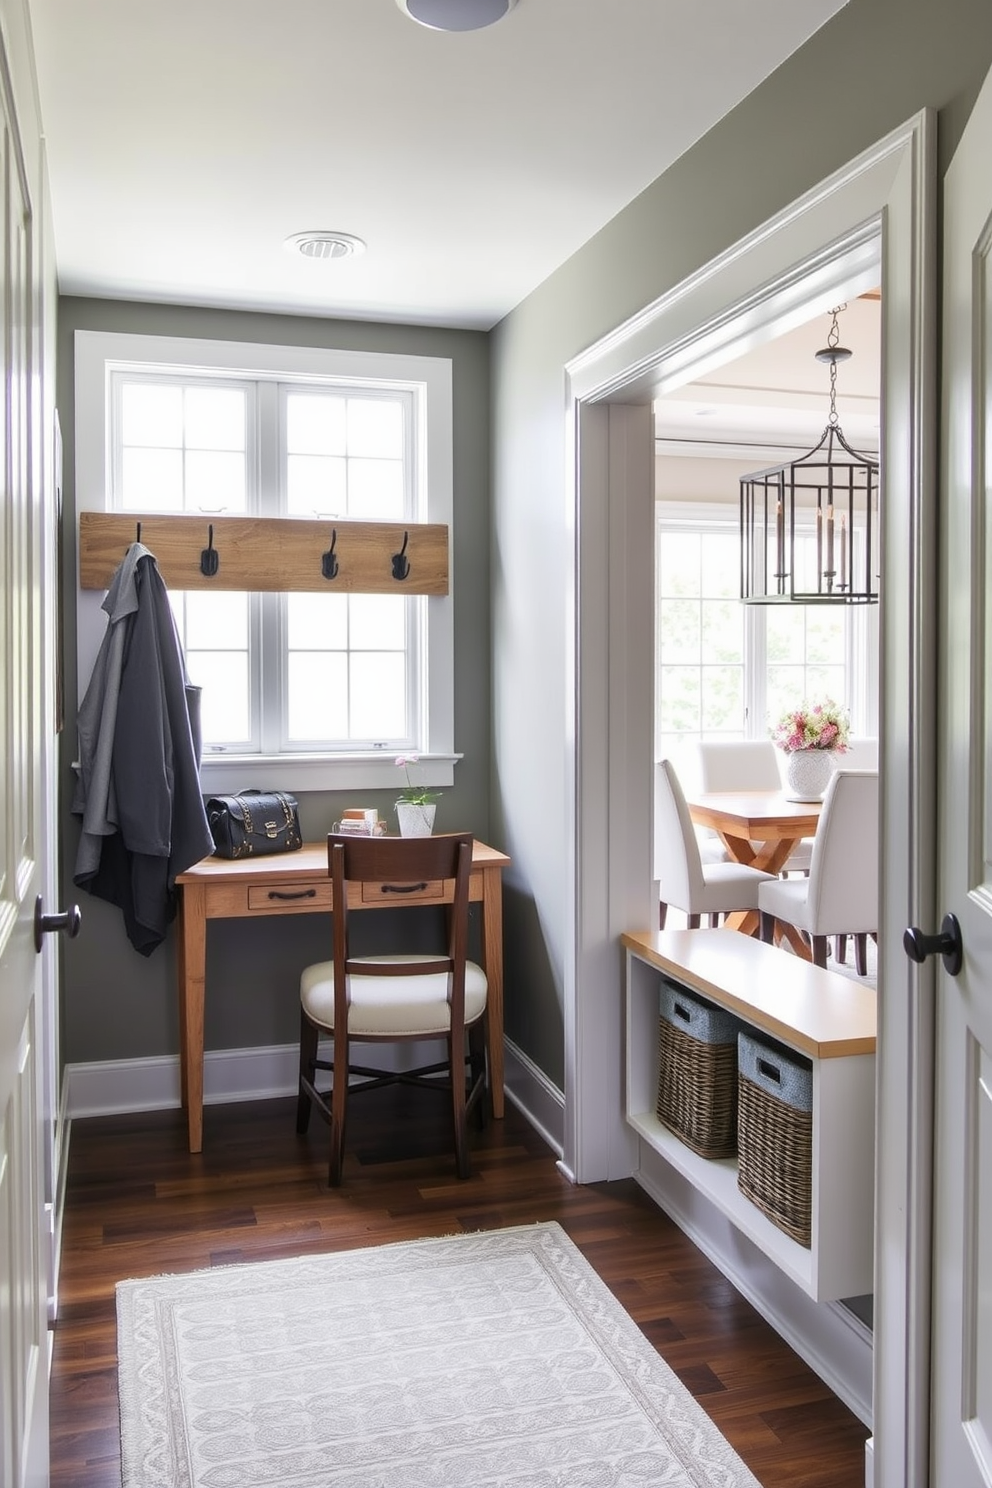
684, 880
388, 1006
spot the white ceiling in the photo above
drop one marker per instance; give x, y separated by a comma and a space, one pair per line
780, 394
188, 138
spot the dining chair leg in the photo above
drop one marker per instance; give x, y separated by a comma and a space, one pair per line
477, 1066
714, 921
662, 915
767, 927
456, 1064
308, 1056
840, 949
693, 921
339, 1107
861, 954
818, 945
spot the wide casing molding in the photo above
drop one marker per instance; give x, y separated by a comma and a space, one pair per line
871, 222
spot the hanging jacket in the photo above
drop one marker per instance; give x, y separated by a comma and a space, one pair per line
138, 791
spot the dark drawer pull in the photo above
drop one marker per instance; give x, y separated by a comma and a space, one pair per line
299, 894
401, 888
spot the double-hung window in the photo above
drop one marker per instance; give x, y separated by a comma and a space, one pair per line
728, 670
314, 688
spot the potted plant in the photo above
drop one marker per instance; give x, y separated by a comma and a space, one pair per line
810, 736
415, 806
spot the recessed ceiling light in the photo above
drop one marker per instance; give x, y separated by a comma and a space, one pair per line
325, 245
456, 15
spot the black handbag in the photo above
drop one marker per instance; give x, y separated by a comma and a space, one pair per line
254, 823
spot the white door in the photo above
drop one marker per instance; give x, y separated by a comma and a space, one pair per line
961, 1442
25, 748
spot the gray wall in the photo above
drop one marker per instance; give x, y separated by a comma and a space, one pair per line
872, 67
119, 1005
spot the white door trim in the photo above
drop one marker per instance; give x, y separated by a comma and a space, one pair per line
874, 219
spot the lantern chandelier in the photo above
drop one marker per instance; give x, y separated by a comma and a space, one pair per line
809, 530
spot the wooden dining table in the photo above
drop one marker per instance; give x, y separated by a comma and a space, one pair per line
760, 828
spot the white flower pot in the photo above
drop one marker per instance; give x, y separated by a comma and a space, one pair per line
807, 773
414, 820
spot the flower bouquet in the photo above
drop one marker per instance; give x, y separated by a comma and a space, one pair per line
810, 736
813, 726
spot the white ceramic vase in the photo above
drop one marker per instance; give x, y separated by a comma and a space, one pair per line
415, 820
807, 773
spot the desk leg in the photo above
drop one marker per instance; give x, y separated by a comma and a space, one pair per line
492, 916
191, 957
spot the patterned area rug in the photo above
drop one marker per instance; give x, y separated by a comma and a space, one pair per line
491, 1360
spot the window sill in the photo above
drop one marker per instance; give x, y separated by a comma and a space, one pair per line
223, 774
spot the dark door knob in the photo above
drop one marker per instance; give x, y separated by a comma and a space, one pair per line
947, 944
44, 924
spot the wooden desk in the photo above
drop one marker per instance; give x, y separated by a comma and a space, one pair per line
299, 883
768, 818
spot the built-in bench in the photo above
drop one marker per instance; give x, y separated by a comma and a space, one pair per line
828, 1018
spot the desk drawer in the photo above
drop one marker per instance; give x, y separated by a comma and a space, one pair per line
284, 897
421, 892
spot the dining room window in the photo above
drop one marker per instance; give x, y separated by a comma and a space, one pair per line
726, 670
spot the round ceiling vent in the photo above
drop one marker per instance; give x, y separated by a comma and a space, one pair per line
456, 15
323, 245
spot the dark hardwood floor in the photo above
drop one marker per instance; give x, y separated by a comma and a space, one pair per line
138, 1204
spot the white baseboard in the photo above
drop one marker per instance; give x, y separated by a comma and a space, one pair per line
834, 1343
533, 1094
117, 1087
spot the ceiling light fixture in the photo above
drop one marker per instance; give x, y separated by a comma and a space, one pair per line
456, 15
325, 245
809, 530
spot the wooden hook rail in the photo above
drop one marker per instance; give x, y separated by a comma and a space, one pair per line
276, 554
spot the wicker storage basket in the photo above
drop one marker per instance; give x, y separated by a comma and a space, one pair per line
775, 1134
697, 1072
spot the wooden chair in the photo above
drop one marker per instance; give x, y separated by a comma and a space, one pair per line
684, 880
393, 998
840, 897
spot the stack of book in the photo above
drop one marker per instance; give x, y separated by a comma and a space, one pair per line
361, 821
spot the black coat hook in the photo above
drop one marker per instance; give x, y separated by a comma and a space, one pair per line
137, 535
209, 556
328, 560
401, 563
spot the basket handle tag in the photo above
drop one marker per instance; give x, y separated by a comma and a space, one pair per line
681, 1012
770, 1071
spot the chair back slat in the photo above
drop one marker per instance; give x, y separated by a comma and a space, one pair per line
401, 863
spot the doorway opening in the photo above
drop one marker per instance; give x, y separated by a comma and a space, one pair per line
869, 225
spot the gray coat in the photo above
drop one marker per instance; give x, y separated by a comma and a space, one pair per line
138, 790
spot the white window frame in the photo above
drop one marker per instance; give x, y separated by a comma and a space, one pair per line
98, 353
861, 639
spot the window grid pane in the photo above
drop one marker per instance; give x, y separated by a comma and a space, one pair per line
349, 663
714, 656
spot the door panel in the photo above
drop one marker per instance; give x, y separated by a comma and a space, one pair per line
23, 746
962, 1312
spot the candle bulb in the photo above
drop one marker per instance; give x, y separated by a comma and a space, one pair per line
780, 530
830, 540
843, 551
819, 546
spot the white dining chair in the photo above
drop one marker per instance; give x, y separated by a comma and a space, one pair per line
743, 765
685, 882
840, 896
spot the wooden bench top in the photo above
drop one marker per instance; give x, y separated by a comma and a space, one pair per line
821, 1013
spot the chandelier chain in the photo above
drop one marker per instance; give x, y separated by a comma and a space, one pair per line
832, 340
